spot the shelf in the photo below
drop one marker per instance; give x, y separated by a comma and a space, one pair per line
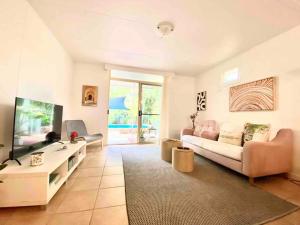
36, 179
54, 188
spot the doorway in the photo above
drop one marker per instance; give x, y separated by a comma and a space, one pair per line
149, 114
134, 112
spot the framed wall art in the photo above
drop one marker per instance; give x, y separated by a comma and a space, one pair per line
89, 95
201, 101
254, 96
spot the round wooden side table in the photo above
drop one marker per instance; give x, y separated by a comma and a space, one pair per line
166, 148
183, 159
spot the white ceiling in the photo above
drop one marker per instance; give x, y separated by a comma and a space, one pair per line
206, 32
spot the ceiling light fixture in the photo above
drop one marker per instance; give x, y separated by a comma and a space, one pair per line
165, 28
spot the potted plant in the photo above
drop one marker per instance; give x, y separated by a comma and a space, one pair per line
193, 118
142, 137
73, 136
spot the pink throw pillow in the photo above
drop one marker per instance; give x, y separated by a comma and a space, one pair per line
197, 131
211, 135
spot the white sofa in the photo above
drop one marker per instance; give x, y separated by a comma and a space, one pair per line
224, 149
254, 159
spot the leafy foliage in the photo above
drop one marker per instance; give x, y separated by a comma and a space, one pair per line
34, 113
151, 103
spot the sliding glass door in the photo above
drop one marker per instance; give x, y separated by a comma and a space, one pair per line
150, 109
123, 112
134, 112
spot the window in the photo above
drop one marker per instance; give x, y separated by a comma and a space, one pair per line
231, 76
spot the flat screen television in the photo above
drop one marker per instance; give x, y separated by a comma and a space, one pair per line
36, 125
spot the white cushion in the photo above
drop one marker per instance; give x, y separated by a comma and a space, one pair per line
192, 140
231, 127
273, 132
228, 150
231, 134
234, 138
261, 137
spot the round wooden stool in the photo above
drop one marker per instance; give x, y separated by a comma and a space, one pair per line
166, 148
183, 159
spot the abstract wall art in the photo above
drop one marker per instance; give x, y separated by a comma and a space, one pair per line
201, 101
254, 96
89, 95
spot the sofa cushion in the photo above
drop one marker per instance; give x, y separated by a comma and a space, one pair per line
231, 134
234, 138
227, 150
206, 125
197, 131
260, 132
232, 127
212, 135
192, 139
261, 136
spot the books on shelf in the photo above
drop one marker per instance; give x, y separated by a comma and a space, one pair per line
71, 162
54, 178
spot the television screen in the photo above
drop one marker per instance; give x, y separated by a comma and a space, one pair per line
36, 124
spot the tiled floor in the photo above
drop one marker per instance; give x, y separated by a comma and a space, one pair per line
95, 195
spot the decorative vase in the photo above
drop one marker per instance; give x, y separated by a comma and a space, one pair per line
37, 159
73, 140
73, 137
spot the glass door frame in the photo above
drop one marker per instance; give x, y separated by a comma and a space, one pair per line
141, 114
140, 97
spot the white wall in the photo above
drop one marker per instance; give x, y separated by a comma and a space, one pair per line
182, 103
95, 118
181, 99
32, 64
279, 57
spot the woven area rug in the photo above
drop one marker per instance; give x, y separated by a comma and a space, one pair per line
156, 194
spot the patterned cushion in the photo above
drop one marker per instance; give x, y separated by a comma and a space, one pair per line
211, 135
261, 136
256, 132
229, 137
197, 131
207, 125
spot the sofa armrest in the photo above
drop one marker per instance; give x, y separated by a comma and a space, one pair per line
267, 158
186, 131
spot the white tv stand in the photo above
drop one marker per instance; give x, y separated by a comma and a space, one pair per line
26, 185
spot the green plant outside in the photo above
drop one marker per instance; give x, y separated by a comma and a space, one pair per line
151, 104
34, 113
